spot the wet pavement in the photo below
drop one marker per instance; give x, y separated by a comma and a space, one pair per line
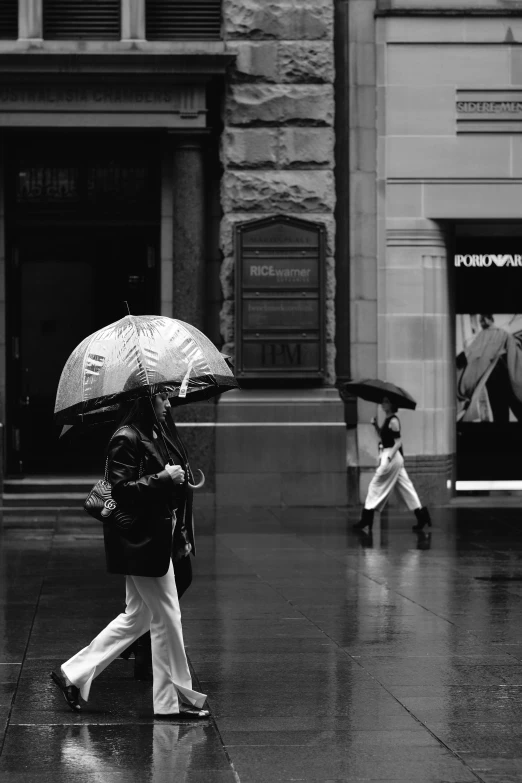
326, 656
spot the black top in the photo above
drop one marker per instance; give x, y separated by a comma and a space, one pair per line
145, 547
389, 436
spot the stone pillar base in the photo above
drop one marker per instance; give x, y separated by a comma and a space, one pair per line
281, 448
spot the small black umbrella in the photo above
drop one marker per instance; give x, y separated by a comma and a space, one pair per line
374, 390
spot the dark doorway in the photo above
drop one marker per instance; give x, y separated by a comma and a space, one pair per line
83, 238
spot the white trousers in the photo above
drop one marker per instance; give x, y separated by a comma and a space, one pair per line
152, 602
387, 476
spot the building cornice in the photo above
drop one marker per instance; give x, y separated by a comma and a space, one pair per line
181, 62
448, 12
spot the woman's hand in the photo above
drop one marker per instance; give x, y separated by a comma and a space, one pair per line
176, 473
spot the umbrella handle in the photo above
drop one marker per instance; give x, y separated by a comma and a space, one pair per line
201, 483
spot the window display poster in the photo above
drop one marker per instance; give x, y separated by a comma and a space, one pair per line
488, 362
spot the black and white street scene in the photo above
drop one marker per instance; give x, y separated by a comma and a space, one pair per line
260, 391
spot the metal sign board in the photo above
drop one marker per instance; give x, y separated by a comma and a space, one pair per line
280, 329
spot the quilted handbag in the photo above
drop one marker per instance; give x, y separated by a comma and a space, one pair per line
101, 505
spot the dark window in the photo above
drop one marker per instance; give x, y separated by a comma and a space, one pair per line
8, 19
183, 20
70, 20
81, 178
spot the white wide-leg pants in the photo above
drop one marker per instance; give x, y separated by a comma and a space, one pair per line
152, 602
387, 476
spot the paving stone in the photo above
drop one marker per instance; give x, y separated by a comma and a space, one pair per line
323, 660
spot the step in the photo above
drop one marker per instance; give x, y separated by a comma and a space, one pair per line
49, 485
73, 500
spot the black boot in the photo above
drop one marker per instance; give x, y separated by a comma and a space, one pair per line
423, 518
143, 658
366, 520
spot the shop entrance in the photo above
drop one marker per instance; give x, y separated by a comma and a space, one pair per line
488, 279
83, 234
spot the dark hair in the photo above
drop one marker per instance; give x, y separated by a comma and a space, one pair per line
393, 407
138, 411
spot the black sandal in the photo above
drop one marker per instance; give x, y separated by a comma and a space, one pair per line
185, 711
70, 693
193, 712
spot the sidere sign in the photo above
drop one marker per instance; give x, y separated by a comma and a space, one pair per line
488, 260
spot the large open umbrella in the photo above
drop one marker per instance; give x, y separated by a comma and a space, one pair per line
374, 390
134, 357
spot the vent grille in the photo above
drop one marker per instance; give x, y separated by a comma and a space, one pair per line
8, 19
183, 20
72, 20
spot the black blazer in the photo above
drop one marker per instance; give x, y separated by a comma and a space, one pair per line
146, 546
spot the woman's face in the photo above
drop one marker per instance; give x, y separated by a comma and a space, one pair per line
161, 405
386, 405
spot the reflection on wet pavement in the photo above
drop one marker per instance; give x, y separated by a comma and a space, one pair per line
327, 656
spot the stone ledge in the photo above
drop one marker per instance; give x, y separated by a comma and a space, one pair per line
287, 62
311, 104
278, 191
302, 405
250, 147
305, 61
306, 147
262, 19
283, 148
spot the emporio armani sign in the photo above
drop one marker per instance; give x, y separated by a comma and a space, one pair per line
490, 259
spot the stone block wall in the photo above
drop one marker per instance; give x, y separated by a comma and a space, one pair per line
277, 146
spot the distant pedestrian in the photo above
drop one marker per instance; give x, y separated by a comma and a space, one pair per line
391, 473
143, 483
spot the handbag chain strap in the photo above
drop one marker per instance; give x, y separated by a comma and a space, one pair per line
141, 468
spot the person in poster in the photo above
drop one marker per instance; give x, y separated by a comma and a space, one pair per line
489, 370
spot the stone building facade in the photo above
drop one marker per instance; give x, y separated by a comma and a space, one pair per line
130, 153
435, 139
277, 151
135, 152
277, 146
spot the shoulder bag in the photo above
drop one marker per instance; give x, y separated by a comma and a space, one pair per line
101, 505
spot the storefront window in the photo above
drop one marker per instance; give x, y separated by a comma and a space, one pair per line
129, 183
488, 277
47, 184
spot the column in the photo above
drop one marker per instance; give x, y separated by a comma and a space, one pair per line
415, 346
188, 191
3, 320
356, 252
30, 20
188, 256
133, 20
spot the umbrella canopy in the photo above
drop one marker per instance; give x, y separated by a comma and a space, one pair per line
134, 357
374, 390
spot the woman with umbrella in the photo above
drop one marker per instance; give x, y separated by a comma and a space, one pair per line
149, 481
390, 472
